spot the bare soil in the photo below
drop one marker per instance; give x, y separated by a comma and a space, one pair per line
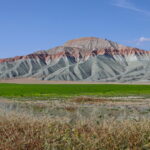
37, 81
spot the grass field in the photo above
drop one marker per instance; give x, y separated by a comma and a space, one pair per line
81, 123
23, 133
51, 91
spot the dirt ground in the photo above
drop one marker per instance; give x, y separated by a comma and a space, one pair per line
36, 81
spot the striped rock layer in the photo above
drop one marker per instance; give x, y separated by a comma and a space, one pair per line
88, 59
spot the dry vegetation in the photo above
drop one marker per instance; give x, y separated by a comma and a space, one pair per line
99, 129
23, 133
70, 108
90, 100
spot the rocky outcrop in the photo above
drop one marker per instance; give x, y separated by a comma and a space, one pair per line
90, 59
92, 43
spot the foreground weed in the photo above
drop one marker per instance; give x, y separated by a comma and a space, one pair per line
20, 133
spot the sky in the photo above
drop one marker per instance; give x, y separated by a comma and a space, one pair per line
27, 26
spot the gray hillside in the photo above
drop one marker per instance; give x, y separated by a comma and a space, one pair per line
106, 67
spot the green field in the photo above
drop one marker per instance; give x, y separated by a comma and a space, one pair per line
78, 123
52, 91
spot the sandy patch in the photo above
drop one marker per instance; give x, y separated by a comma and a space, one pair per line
37, 81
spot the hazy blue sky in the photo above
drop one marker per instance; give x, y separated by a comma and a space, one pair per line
30, 25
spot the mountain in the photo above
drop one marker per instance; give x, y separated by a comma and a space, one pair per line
88, 59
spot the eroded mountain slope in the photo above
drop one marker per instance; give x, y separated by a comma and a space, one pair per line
89, 59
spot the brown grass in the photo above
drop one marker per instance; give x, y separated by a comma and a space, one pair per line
22, 133
70, 108
90, 100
